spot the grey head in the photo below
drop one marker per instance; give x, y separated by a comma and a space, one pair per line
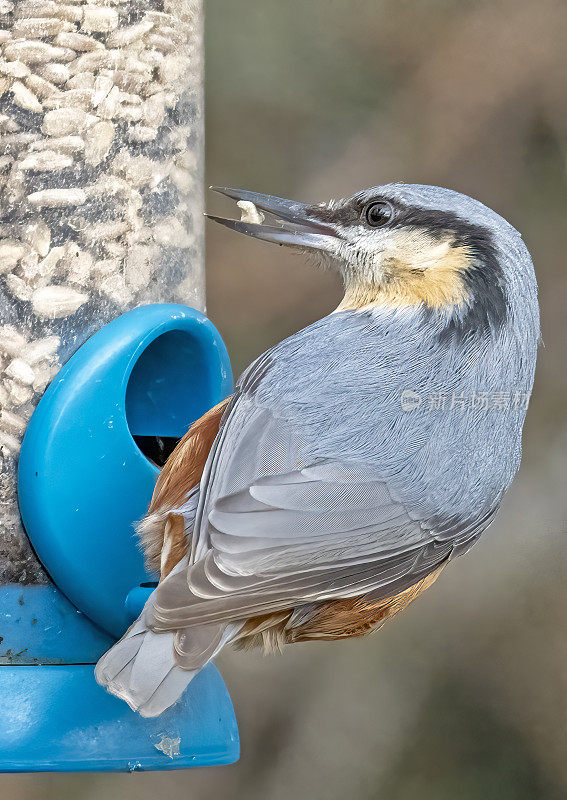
407, 245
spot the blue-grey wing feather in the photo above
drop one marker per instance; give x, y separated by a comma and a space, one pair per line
278, 529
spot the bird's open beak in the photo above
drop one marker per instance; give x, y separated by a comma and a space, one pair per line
297, 222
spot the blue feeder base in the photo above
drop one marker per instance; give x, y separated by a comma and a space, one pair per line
58, 719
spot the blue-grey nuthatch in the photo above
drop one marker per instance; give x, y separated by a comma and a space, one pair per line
356, 457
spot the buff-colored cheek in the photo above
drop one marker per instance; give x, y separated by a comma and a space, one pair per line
417, 269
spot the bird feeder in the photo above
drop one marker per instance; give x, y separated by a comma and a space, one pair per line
103, 365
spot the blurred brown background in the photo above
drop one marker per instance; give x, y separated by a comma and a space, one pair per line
465, 696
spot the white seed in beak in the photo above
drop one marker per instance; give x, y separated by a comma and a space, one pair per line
249, 212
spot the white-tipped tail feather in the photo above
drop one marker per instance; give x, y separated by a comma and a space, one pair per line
142, 668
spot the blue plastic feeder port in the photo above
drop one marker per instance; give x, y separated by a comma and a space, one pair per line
87, 469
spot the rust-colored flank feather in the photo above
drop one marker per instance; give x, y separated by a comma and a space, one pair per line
162, 533
328, 620
184, 467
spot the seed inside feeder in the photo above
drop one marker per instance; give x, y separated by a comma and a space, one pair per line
100, 155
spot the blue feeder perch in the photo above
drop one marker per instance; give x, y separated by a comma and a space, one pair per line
86, 474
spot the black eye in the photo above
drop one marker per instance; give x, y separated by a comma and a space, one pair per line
378, 213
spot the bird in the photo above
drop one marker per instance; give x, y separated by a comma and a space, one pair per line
357, 457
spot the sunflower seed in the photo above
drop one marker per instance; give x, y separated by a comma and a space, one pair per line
57, 198
53, 302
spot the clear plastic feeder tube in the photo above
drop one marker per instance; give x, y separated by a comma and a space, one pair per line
101, 160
